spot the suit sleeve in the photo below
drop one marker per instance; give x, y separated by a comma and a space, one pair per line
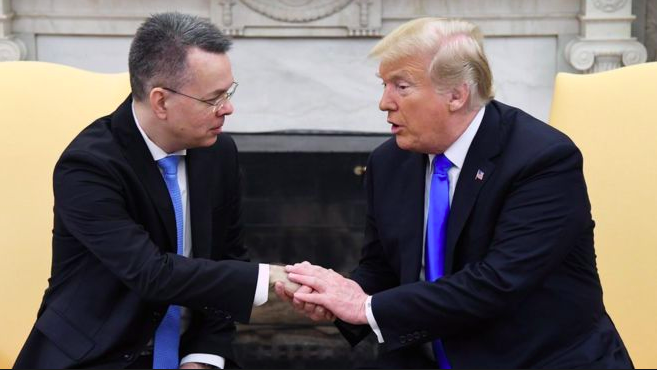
209, 333
92, 204
541, 219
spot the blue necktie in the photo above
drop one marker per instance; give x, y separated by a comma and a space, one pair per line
434, 264
167, 336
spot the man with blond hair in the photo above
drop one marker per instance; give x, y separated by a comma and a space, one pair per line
479, 239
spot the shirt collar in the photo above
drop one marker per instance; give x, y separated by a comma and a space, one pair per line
155, 150
457, 152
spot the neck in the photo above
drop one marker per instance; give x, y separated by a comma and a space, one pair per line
153, 127
460, 121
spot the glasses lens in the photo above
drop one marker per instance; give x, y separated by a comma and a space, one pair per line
224, 98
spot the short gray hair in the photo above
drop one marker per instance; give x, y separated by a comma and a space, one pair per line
158, 54
456, 51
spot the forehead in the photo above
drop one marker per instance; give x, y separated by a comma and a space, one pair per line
412, 67
208, 68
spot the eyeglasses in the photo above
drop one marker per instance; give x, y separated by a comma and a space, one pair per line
216, 104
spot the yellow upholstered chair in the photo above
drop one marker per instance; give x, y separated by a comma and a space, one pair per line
42, 107
612, 117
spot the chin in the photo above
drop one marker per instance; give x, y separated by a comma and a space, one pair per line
403, 143
411, 146
206, 142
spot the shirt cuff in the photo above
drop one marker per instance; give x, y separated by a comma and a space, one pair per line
262, 289
371, 320
202, 358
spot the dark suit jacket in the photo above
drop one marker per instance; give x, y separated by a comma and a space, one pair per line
114, 265
521, 287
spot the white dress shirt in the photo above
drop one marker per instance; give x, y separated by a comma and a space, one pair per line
262, 288
456, 153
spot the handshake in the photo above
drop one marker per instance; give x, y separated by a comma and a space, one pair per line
318, 293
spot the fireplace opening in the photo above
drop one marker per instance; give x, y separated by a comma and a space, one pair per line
303, 200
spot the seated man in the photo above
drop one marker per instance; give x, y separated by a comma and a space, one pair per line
138, 194
479, 238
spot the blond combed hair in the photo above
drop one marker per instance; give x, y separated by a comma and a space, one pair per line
456, 51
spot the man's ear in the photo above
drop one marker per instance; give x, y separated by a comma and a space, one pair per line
459, 97
158, 102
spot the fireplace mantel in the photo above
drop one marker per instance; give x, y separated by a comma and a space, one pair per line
302, 64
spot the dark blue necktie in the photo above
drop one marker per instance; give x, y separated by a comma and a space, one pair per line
167, 335
434, 258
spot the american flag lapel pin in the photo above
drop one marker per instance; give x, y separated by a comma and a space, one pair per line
480, 175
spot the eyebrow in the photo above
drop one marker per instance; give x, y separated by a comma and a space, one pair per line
397, 75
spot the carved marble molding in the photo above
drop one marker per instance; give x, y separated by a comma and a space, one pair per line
298, 18
605, 40
651, 30
296, 11
609, 6
12, 49
592, 56
360, 18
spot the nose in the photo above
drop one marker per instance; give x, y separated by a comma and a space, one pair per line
226, 110
387, 102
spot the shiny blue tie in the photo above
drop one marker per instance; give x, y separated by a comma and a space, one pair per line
167, 336
434, 263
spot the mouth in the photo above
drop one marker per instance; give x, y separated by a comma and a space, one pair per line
216, 129
395, 127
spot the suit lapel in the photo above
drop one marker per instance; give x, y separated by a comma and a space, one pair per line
412, 179
140, 158
477, 169
199, 185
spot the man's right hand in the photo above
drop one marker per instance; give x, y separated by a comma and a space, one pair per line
277, 274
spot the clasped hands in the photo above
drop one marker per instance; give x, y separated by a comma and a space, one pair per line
320, 294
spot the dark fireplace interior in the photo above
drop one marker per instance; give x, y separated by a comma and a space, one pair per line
303, 200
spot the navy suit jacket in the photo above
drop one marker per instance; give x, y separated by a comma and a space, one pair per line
114, 265
521, 287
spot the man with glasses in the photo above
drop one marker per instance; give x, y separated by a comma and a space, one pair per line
138, 194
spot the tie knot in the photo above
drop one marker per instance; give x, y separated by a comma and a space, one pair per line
169, 165
441, 165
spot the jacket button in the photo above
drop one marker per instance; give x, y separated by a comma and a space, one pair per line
417, 335
402, 339
229, 317
128, 357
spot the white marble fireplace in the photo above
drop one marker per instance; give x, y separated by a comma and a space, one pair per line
302, 64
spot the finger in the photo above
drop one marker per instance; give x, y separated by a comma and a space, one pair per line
314, 298
279, 288
309, 281
320, 312
291, 287
310, 308
316, 317
307, 269
297, 303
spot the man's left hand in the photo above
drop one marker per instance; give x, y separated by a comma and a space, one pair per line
341, 296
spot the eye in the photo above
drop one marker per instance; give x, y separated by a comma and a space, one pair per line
402, 86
